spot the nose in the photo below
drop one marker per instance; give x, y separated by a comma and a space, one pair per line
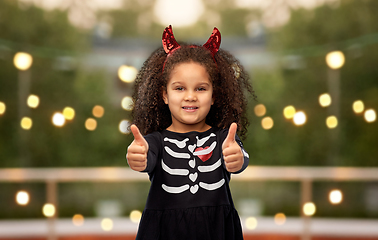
191, 96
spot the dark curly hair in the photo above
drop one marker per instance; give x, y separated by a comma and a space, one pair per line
230, 86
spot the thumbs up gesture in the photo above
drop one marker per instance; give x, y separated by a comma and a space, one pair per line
232, 153
137, 151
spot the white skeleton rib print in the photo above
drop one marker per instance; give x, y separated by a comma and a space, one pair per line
195, 151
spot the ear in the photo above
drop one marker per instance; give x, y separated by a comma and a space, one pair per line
165, 96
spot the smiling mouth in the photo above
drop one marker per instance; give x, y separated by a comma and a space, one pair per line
189, 108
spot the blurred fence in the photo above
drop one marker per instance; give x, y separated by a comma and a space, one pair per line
305, 175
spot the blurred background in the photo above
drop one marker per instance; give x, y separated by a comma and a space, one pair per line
66, 76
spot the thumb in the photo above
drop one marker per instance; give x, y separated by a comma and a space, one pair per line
138, 137
231, 134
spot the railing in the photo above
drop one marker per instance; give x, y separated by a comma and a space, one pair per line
305, 175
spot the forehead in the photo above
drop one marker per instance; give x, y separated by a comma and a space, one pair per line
189, 71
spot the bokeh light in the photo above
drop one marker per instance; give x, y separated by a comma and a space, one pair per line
69, 113
267, 123
325, 100
58, 119
26, 123
127, 103
335, 196
78, 220
299, 118
98, 111
33, 101
127, 73
309, 209
335, 59
2, 108
358, 106
260, 110
251, 223
48, 210
331, 122
289, 112
124, 126
91, 124
22, 198
370, 115
22, 61
135, 216
280, 218
107, 224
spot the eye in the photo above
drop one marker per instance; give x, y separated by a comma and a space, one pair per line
201, 89
179, 88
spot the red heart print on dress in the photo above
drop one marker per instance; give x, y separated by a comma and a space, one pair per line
205, 157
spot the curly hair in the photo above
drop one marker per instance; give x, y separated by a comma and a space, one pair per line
230, 88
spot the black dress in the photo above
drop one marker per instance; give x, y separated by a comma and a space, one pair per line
189, 196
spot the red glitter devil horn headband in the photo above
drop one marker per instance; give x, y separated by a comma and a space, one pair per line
170, 44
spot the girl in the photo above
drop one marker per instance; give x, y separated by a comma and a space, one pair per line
189, 103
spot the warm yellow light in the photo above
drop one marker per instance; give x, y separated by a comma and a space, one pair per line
309, 209
267, 123
335, 196
251, 223
135, 216
2, 108
107, 224
124, 126
331, 122
289, 112
48, 210
58, 119
325, 100
26, 123
358, 106
33, 101
78, 220
22, 197
260, 110
98, 111
22, 61
127, 73
299, 118
335, 59
370, 115
127, 103
90, 124
68, 113
280, 218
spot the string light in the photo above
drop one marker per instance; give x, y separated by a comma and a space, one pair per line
335, 196
251, 223
98, 111
124, 126
267, 123
58, 119
26, 123
260, 110
69, 113
325, 100
309, 209
335, 59
107, 224
280, 218
48, 210
33, 101
358, 106
299, 118
22, 61
78, 220
2, 108
135, 216
127, 73
370, 115
90, 124
289, 112
22, 198
331, 122
127, 103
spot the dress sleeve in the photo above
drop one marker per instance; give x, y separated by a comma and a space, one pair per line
154, 142
224, 134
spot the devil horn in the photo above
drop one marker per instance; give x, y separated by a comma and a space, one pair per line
169, 41
214, 42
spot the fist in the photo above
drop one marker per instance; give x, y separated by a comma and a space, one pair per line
232, 153
137, 151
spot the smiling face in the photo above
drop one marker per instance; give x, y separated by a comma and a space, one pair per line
189, 96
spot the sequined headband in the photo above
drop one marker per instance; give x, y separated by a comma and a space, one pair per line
170, 44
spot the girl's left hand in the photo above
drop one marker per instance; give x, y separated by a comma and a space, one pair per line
232, 153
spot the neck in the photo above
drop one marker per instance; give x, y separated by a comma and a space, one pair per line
189, 128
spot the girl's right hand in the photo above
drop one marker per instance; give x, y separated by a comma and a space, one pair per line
137, 151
